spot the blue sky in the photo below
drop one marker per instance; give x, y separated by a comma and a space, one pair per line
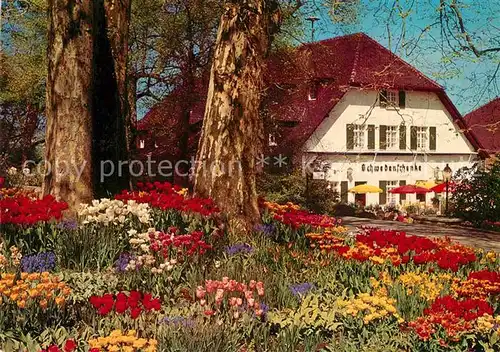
468, 81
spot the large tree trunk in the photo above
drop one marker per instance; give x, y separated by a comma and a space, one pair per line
86, 98
232, 132
118, 14
110, 106
69, 102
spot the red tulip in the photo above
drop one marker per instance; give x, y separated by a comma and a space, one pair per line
135, 312
70, 346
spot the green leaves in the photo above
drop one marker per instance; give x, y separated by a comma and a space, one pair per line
315, 313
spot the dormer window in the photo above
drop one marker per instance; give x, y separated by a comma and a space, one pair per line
142, 143
272, 140
313, 92
392, 99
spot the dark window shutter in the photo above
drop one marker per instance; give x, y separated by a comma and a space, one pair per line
350, 136
343, 191
402, 99
413, 137
382, 199
382, 137
371, 136
383, 98
402, 196
402, 137
432, 138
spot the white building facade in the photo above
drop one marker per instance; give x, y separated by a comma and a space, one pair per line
387, 139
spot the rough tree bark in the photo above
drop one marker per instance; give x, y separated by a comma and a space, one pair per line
131, 119
118, 14
232, 132
86, 98
69, 102
110, 104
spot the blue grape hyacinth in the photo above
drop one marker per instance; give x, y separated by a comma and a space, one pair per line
38, 263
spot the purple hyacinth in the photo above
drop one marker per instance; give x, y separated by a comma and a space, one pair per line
267, 229
38, 262
122, 262
239, 248
178, 321
265, 309
299, 290
68, 225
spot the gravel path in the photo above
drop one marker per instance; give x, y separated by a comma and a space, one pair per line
488, 240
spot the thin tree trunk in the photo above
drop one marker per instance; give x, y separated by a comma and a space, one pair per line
29, 129
184, 124
131, 119
69, 102
232, 132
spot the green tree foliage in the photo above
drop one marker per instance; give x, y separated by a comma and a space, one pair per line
168, 38
22, 80
314, 195
477, 194
23, 70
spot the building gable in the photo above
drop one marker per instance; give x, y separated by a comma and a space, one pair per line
361, 108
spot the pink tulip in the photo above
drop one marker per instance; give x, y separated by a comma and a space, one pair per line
200, 292
248, 294
203, 302
239, 301
260, 288
252, 284
219, 296
233, 301
251, 302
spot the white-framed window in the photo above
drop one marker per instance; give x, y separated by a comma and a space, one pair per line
391, 197
392, 98
391, 137
272, 140
422, 138
142, 143
359, 136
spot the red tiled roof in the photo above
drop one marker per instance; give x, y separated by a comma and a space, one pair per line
333, 65
484, 123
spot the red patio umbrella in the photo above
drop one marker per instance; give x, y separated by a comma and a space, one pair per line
408, 189
442, 187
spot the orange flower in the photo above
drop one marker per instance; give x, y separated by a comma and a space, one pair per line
60, 300
14, 296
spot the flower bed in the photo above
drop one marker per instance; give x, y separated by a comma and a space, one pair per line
155, 270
